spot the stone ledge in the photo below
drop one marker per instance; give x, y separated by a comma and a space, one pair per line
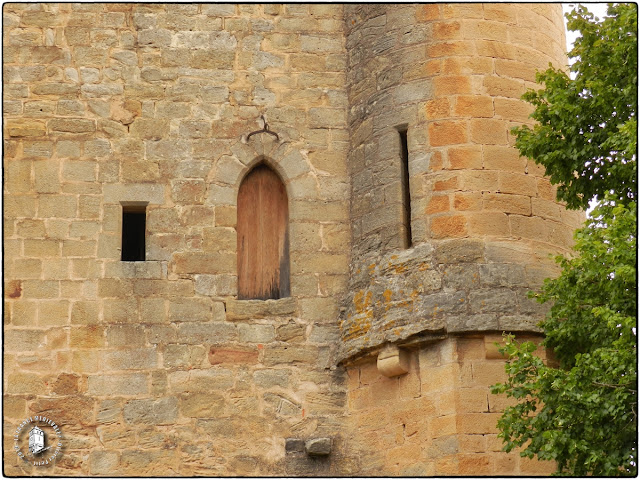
250, 309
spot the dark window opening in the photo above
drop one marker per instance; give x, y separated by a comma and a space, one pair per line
406, 192
263, 236
134, 219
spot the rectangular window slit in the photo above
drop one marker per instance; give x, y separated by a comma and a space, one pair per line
406, 193
134, 220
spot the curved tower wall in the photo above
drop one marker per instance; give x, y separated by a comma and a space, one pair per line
484, 222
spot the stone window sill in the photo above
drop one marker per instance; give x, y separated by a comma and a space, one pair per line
248, 309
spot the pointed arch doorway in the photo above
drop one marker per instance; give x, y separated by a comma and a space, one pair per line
263, 236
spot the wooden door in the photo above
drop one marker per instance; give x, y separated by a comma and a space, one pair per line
263, 236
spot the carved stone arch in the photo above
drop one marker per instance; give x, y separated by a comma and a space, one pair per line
268, 162
263, 234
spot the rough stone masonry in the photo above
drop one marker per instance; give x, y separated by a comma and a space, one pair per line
414, 229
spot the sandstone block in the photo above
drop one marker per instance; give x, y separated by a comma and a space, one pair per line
125, 336
459, 251
162, 411
131, 359
255, 333
87, 337
25, 128
269, 378
275, 355
489, 223
251, 309
120, 384
201, 405
492, 300
318, 446
239, 355
40, 289
206, 333
465, 157
71, 125
447, 133
202, 381
449, 226
204, 263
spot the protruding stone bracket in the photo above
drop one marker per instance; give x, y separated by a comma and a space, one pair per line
392, 361
318, 447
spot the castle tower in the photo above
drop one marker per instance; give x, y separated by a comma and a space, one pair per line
451, 228
270, 239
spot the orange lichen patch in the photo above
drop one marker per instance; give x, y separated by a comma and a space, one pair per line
402, 268
423, 266
387, 295
362, 301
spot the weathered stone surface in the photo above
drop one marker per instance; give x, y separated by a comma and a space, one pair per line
154, 412
318, 446
154, 367
249, 309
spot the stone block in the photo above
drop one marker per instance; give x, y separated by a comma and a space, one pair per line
239, 355
465, 157
318, 446
191, 310
270, 378
148, 193
25, 128
87, 337
255, 333
290, 354
449, 226
206, 333
492, 300
23, 340
125, 336
447, 133
143, 359
119, 384
202, 405
251, 309
202, 381
71, 125
103, 462
163, 411
392, 361
494, 224
204, 263
40, 289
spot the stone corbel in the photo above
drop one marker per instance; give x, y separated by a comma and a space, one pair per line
393, 361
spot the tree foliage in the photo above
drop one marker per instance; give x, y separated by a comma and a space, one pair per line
580, 411
587, 125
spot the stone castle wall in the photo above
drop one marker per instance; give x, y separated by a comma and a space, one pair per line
155, 367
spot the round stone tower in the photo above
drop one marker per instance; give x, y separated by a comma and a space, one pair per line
450, 227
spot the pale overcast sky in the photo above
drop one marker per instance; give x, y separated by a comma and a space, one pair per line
598, 9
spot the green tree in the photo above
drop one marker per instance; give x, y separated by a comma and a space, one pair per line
581, 411
587, 126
